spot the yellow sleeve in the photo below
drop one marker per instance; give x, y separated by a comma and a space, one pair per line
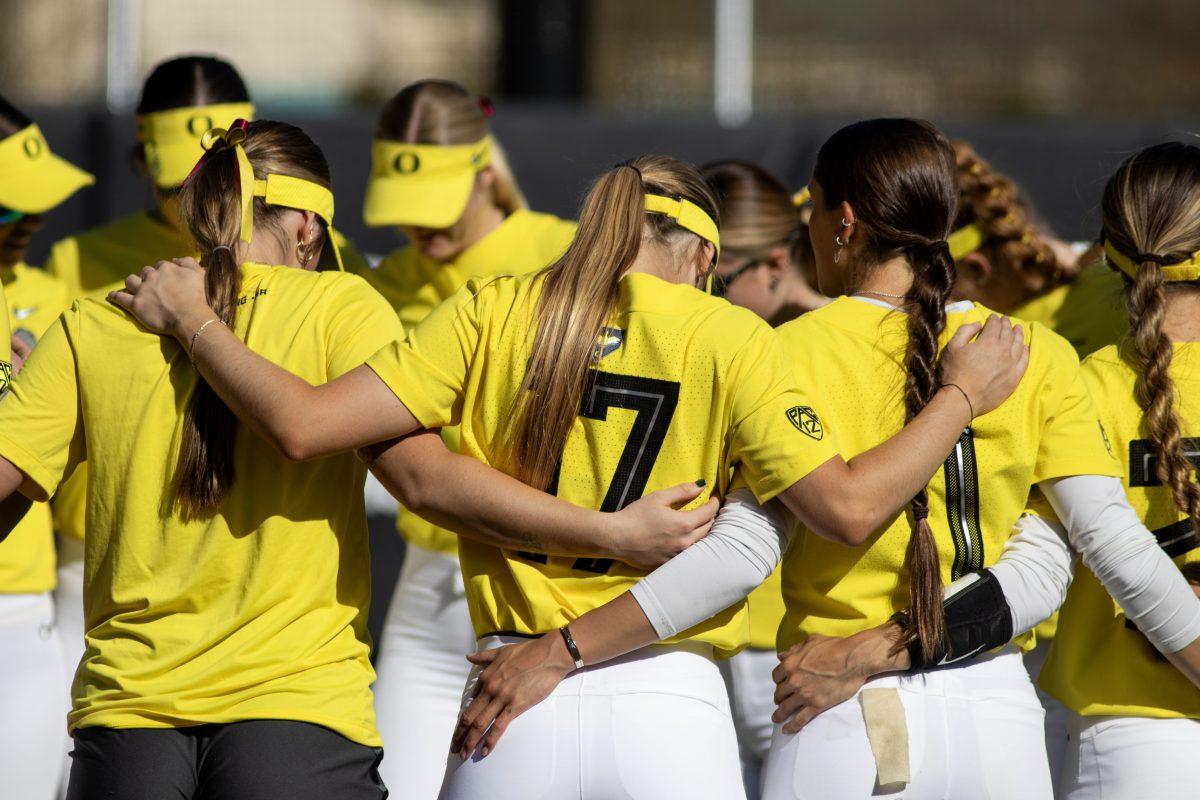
428, 370
777, 437
43, 406
361, 324
1073, 441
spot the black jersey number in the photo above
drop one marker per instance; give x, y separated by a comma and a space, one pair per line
961, 471
654, 401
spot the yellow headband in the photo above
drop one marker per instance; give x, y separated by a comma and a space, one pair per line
275, 190
424, 185
1181, 271
171, 138
801, 197
688, 215
32, 178
965, 240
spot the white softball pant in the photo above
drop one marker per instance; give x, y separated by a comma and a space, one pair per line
652, 725
33, 711
1131, 758
973, 732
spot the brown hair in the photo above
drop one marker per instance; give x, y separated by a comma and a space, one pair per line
578, 295
210, 204
1151, 213
1012, 243
442, 112
757, 214
898, 176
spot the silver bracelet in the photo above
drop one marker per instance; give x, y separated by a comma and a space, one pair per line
196, 335
565, 630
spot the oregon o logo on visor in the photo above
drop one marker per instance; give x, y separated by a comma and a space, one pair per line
199, 125
806, 421
33, 147
406, 163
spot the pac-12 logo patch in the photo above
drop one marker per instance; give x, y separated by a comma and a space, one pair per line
806, 421
610, 339
5, 376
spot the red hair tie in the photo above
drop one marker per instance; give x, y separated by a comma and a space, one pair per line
485, 105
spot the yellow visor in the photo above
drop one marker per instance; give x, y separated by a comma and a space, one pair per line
33, 179
1182, 271
171, 138
422, 185
965, 240
689, 216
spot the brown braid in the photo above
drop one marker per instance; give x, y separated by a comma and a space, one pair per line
1150, 352
1150, 212
927, 298
1012, 243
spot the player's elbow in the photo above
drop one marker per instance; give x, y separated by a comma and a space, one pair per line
847, 522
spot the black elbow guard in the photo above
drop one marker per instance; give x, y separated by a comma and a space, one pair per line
978, 619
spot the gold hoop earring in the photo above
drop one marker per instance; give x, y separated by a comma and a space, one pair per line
303, 252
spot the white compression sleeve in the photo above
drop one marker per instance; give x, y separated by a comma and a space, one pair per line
1126, 558
1034, 570
743, 547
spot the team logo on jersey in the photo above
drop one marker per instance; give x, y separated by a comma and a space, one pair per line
20, 313
610, 339
806, 421
5, 377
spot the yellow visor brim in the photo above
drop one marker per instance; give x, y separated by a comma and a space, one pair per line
34, 184
418, 201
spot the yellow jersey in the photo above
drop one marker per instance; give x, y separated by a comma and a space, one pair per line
685, 387
256, 612
1100, 664
1048, 428
27, 557
525, 241
1086, 312
96, 262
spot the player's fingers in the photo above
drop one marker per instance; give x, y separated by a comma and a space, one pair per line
680, 494
121, 300
696, 517
484, 657
787, 707
133, 283
480, 724
499, 726
963, 335
797, 722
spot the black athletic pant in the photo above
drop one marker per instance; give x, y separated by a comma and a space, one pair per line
252, 760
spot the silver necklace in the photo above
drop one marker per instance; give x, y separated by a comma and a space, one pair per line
882, 294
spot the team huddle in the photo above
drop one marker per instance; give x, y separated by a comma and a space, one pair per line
870, 488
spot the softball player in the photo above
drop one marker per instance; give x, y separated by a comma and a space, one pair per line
1134, 722
440, 176
33, 180
587, 360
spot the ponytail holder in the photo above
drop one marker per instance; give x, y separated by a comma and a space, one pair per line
629, 164
965, 240
920, 512
485, 105
802, 197
1188, 270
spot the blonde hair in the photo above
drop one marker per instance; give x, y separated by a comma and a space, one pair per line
1151, 212
578, 295
757, 214
442, 112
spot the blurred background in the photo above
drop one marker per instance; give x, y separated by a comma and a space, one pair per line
1055, 94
